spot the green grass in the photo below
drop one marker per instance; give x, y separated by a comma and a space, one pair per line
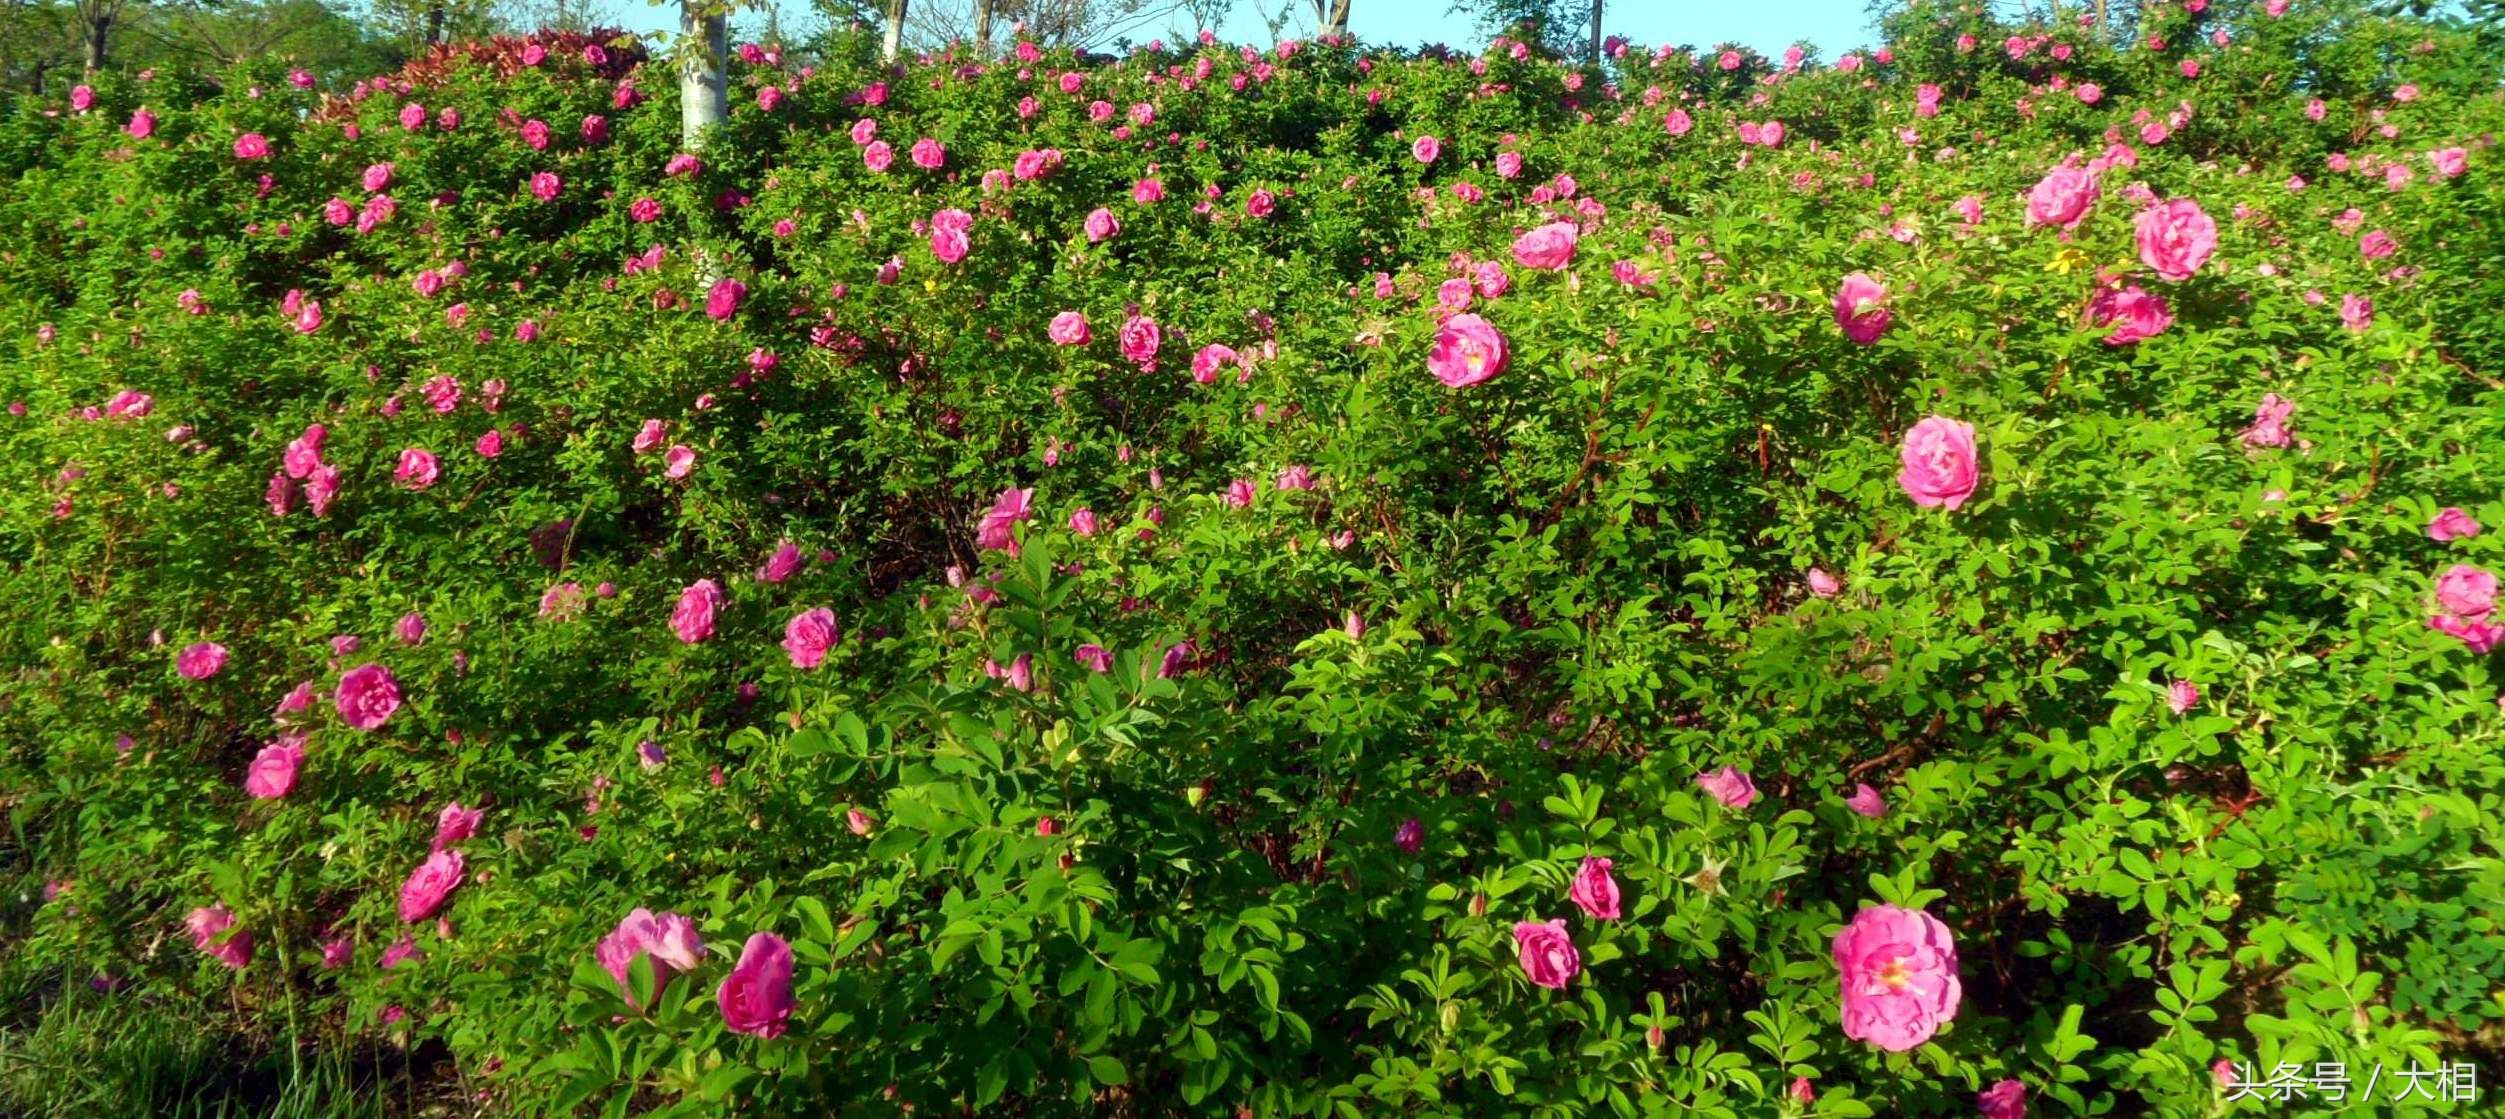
87, 1054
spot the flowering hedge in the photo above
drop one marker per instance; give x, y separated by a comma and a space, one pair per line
1290, 582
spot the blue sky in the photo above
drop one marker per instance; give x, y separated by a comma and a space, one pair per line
1768, 25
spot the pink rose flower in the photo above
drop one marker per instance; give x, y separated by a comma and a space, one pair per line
1594, 890
1425, 148
668, 939
2376, 245
2131, 312
1212, 358
402, 951
2182, 696
1866, 802
1547, 952
783, 564
273, 772
678, 461
1490, 278
1101, 224
809, 635
2270, 422
1899, 976
2062, 197
2357, 313
563, 602
1549, 247
1860, 310
692, 621
2466, 592
756, 997
1938, 463
429, 885
2176, 238
252, 145
418, 468
454, 824
1468, 350
206, 924
722, 299
321, 487
1069, 328
1140, 340
1410, 836
367, 696
200, 660
994, 533
2480, 636
297, 700
1823, 584
1728, 785
2451, 524
650, 437
2007, 1099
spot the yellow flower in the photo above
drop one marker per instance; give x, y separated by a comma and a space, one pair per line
2068, 260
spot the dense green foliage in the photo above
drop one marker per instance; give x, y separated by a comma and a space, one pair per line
1112, 819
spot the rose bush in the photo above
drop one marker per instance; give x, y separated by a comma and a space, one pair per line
1297, 581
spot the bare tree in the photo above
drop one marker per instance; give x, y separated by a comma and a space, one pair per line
703, 83
226, 34
935, 24
37, 38
1594, 54
563, 15
895, 30
419, 24
96, 19
1206, 14
1330, 18
983, 28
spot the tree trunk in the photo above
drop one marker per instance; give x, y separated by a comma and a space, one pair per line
434, 24
1337, 25
703, 88
895, 31
97, 27
1595, 50
983, 28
